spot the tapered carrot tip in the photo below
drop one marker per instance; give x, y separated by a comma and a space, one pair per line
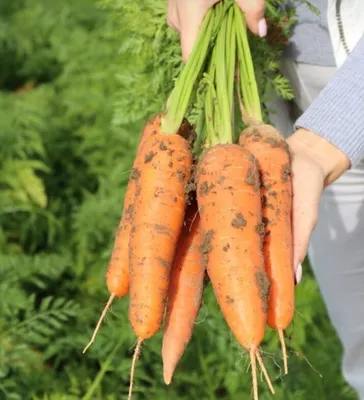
254, 372
265, 373
168, 374
284, 350
170, 362
108, 304
132, 369
170, 358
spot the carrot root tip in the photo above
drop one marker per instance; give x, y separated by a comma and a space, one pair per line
168, 369
99, 322
254, 373
284, 351
265, 373
132, 369
167, 379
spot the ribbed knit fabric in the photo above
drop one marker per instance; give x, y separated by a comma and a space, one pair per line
311, 42
337, 114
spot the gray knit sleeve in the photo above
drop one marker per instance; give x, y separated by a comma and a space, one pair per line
337, 114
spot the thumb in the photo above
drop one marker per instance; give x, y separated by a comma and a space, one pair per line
304, 221
306, 199
190, 17
254, 15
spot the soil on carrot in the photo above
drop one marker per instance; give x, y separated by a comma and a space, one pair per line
226, 247
268, 135
265, 221
138, 190
273, 194
164, 230
205, 188
263, 285
135, 174
276, 142
181, 175
162, 146
129, 211
206, 247
286, 172
239, 221
190, 187
158, 191
221, 179
259, 228
163, 263
251, 179
229, 300
149, 157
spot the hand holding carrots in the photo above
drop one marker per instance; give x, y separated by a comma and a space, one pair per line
312, 171
315, 164
206, 196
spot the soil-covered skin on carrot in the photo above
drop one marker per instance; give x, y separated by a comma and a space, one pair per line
184, 294
271, 151
231, 245
117, 274
159, 211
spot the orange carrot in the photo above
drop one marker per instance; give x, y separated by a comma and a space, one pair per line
117, 275
272, 154
159, 209
184, 294
232, 237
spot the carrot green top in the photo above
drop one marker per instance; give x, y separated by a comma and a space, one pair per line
221, 50
180, 97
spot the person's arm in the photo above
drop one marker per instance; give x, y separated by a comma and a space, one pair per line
337, 114
329, 139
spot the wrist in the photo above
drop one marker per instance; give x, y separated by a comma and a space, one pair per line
331, 160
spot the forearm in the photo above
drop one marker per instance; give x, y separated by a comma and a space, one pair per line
338, 112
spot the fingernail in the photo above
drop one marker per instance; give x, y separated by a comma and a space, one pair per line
298, 274
262, 27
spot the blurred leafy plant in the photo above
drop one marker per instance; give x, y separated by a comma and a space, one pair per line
77, 82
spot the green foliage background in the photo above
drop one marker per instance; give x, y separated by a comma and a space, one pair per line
77, 83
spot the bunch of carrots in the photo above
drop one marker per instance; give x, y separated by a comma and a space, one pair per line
204, 200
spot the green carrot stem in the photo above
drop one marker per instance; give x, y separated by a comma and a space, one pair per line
247, 75
224, 127
182, 92
230, 55
211, 107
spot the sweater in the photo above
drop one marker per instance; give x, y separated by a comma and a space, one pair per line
337, 114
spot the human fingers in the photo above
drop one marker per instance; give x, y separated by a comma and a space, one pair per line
185, 16
254, 15
307, 186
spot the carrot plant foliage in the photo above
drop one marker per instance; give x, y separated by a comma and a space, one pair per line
77, 81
